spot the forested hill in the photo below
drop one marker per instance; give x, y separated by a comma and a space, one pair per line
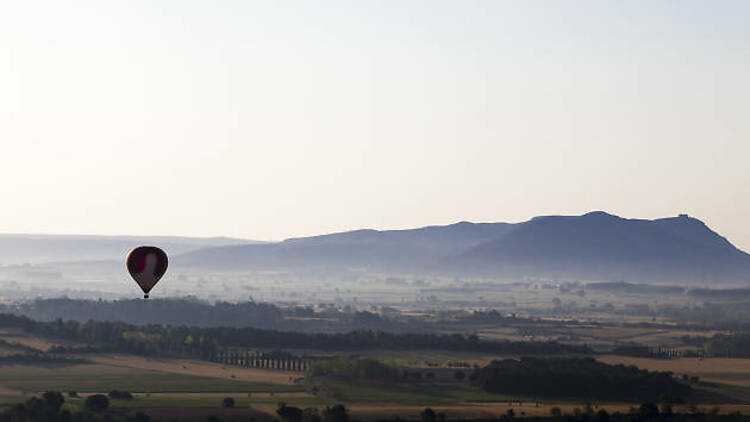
595, 246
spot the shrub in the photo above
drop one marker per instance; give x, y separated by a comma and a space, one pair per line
310, 414
142, 417
54, 400
289, 413
354, 369
428, 415
122, 395
648, 410
96, 403
602, 416
336, 413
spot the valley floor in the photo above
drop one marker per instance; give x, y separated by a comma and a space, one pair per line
166, 385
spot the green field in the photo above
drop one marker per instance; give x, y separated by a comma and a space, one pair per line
241, 400
406, 394
133, 381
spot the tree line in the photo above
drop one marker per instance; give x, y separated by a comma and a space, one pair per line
207, 342
194, 312
728, 345
583, 378
255, 359
356, 370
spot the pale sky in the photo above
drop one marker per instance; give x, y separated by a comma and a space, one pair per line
267, 120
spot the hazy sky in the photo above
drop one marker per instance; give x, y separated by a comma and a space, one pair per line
273, 119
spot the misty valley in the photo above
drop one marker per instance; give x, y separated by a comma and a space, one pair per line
374, 211
465, 321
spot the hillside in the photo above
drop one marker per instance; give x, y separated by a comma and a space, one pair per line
415, 249
18, 249
596, 245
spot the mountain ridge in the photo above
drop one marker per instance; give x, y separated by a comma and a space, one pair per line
600, 245
595, 245
21, 248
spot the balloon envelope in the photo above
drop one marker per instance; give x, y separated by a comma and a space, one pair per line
147, 264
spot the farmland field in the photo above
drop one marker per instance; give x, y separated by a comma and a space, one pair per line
733, 371
165, 385
198, 368
101, 378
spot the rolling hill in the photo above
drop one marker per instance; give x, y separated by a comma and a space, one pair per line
366, 249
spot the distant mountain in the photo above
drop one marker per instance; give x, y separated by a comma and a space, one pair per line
41, 248
593, 246
365, 249
598, 245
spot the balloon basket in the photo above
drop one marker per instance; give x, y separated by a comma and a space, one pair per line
145, 296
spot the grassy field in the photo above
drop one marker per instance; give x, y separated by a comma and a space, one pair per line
595, 335
100, 378
717, 370
197, 388
197, 368
422, 394
214, 400
17, 336
139, 374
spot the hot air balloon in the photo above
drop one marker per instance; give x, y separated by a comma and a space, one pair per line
147, 264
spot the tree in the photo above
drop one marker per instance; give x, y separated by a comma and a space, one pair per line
648, 410
65, 416
142, 417
310, 414
289, 413
602, 416
122, 395
666, 408
227, 402
428, 415
54, 400
96, 403
336, 413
